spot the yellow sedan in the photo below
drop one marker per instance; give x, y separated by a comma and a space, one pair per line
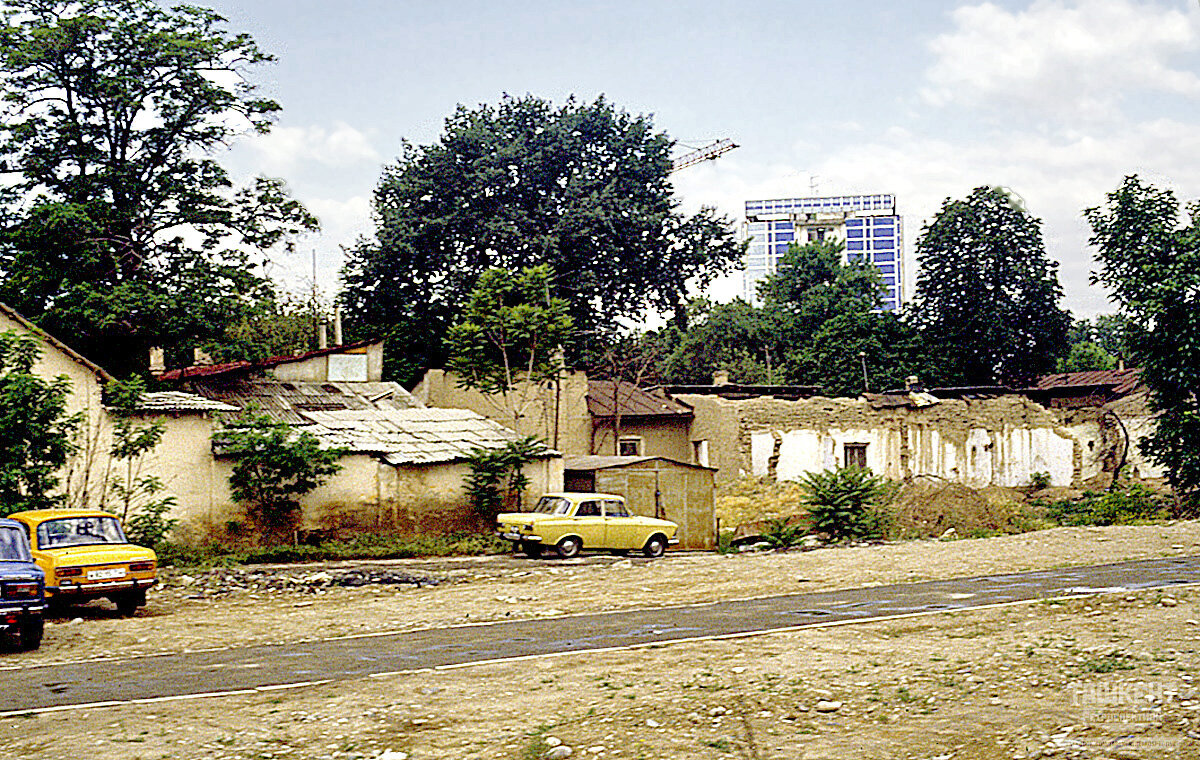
573, 522
85, 555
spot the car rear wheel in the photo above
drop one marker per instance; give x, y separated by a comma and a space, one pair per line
532, 550
128, 603
569, 547
31, 633
655, 546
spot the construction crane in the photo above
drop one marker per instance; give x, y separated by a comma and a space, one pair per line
707, 153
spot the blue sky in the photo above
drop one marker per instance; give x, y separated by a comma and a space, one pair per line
1055, 100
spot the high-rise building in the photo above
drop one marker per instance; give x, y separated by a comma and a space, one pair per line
868, 225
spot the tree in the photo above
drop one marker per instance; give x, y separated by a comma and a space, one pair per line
278, 325
122, 230
582, 188
1151, 264
35, 430
275, 465
735, 337
987, 295
510, 337
1085, 356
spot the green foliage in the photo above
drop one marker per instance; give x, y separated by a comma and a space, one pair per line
497, 480
1128, 505
782, 533
818, 314
278, 326
840, 502
582, 188
368, 546
134, 497
35, 431
510, 331
1086, 356
1108, 331
987, 295
1151, 263
1039, 480
275, 465
123, 231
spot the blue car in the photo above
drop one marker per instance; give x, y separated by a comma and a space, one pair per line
22, 588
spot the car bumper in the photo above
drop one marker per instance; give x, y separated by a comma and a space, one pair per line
24, 609
100, 588
509, 536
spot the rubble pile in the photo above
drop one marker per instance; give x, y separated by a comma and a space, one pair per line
223, 581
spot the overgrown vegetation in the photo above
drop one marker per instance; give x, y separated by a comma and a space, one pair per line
275, 465
1130, 504
370, 546
497, 480
841, 503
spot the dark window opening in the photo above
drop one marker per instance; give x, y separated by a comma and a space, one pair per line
856, 455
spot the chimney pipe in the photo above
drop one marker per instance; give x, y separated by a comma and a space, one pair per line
158, 362
721, 377
337, 325
322, 335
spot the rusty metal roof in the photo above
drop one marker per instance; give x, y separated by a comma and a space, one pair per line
631, 401
411, 436
228, 368
1119, 382
287, 401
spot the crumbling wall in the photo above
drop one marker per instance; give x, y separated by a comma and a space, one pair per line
1000, 441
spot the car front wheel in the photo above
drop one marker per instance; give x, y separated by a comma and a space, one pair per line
569, 547
655, 546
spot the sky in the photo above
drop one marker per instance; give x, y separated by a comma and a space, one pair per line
1055, 100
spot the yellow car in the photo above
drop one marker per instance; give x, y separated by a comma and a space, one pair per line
85, 556
572, 522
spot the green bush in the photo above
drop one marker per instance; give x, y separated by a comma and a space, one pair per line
781, 533
1039, 480
1133, 503
841, 503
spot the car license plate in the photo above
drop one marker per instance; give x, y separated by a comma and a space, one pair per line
105, 574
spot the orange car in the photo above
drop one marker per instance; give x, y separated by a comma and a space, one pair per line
85, 556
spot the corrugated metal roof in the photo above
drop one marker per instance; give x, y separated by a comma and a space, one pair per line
178, 401
410, 436
631, 400
1119, 381
287, 401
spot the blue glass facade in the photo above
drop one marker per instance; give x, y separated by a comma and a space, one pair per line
868, 225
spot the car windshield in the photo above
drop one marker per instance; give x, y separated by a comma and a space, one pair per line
79, 531
553, 505
13, 546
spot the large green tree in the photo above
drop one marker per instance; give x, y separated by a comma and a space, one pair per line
122, 229
987, 294
582, 188
1150, 259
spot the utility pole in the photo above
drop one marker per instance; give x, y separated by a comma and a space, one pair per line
862, 355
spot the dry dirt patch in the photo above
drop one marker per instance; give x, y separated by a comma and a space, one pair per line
1067, 678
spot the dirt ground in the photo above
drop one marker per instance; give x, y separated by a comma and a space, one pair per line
1106, 677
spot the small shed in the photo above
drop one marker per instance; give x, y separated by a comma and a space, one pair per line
655, 487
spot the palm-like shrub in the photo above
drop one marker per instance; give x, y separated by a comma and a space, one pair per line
840, 502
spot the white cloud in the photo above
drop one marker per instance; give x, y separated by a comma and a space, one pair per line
284, 149
1075, 59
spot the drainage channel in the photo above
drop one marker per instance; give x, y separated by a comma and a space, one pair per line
257, 667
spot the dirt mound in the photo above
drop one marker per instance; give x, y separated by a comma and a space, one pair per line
928, 506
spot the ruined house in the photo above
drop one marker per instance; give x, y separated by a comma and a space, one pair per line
405, 466
1075, 429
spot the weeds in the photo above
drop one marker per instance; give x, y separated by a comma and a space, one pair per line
1133, 503
366, 546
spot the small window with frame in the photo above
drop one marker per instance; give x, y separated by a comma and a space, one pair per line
855, 455
629, 447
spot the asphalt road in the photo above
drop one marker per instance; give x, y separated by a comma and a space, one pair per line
258, 667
